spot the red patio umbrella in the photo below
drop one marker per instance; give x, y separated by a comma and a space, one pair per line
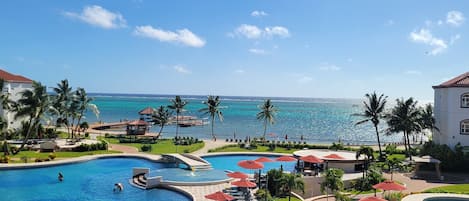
237, 175
286, 158
311, 159
334, 156
389, 186
264, 159
372, 198
250, 164
219, 196
244, 183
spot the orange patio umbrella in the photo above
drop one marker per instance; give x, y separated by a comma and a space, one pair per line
219, 196
389, 186
285, 159
372, 198
250, 164
334, 156
237, 175
311, 159
264, 159
244, 183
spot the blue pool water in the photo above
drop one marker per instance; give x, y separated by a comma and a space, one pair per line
177, 174
92, 180
230, 162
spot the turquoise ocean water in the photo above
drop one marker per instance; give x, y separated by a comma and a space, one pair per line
318, 120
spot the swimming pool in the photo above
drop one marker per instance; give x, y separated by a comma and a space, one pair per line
91, 180
230, 162
436, 197
183, 175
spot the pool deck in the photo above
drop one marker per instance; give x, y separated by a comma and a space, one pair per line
423, 196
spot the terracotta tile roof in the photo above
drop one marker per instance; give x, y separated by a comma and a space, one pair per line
147, 111
13, 78
459, 81
137, 123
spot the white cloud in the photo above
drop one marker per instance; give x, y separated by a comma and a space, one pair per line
425, 36
181, 69
304, 79
257, 51
455, 18
329, 67
454, 38
239, 71
413, 72
98, 16
259, 13
254, 32
183, 36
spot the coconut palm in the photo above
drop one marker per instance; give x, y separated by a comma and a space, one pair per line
33, 104
213, 109
291, 182
62, 102
374, 107
177, 105
369, 157
267, 114
405, 118
332, 181
427, 121
80, 104
5, 105
161, 116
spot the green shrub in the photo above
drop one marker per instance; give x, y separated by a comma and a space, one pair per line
336, 146
4, 159
146, 148
52, 156
450, 160
395, 196
262, 194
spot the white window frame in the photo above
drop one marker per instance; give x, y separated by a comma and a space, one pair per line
464, 127
465, 100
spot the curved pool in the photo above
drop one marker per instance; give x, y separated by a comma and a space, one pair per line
183, 175
230, 162
91, 180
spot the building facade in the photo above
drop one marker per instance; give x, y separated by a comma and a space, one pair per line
451, 111
13, 85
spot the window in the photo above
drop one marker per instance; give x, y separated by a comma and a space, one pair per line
465, 127
465, 100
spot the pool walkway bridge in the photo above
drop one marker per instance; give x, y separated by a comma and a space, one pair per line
192, 161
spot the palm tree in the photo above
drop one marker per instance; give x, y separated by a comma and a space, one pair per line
392, 163
267, 114
369, 157
62, 102
83, 103
291, 182
5, 105
427, 121
33, 104
405, 118
178, 106
213, 109
161, 116
373, 112
333, 181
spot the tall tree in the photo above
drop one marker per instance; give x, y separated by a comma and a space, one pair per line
427, 120
405, 118
213, 109
177, 104
83, 103
267, 114
62, 102
33, 104
367, 152
6, 106
333, 181
161, 117
291, 182
374, 107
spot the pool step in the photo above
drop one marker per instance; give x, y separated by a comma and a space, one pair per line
140, 180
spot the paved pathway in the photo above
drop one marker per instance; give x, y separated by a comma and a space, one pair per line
199, 192
123, 148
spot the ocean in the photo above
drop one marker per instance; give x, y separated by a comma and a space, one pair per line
318, 120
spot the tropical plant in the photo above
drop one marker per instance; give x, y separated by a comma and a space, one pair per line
213, 109
33, 104
62, 103
83, 103
405, 118
332, 181
392, 163
267, 114
290, 182
273, 178
161, 117
427, 120
374, 109
369, 157
5, 105
177, 105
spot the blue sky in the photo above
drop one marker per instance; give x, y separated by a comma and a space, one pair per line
328, 49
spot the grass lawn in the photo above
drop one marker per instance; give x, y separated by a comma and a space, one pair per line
31, 155
286, 199
458, 189
258, 149
163, 146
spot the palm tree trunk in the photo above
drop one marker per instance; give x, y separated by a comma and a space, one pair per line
405, 144
26, 137
379, 143
213, 122
265, 129
177, 124
410, 148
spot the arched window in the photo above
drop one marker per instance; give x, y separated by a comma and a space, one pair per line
465, 100
465, 127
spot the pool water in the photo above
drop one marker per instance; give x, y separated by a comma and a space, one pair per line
182, 175
92, 180
230, 162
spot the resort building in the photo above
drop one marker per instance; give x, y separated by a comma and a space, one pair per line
451, 111
13, 85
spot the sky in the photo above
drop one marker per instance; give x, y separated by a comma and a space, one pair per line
320, 49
